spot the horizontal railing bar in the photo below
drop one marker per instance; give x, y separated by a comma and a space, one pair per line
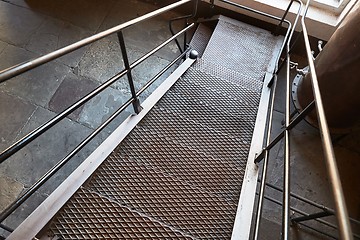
317, 230
11, 208
304, 214
162, 72
41, 129
300, 212
252, 10
330, 160
6, 228
140, 60
312, 216
314, 204
23, 67
292, 124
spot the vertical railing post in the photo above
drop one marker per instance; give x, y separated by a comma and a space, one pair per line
136, 101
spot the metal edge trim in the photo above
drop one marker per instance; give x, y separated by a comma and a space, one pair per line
244, 213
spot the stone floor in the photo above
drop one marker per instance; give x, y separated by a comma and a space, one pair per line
30, 28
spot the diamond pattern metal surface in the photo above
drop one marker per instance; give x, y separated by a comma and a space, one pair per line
88, 215
250, 53
240, 78
201, 38
195, 168
164, 198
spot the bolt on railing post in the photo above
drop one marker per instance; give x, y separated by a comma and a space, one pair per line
136, 101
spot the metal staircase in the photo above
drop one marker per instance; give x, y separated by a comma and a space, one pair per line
183, 166
179, 172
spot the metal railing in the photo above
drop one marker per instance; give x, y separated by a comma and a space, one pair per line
330, 160
14, 71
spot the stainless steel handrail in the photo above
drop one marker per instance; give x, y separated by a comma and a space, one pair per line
23, 67
340, 206
330, 160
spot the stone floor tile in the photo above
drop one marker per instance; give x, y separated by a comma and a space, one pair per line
72, 89
87, 14
15, 113
37, 85
104, 60
9, 191
54, 34
30, 163
43, 6
102, 106
17, 24
154, 30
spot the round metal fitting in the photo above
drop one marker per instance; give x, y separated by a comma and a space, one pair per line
194, 54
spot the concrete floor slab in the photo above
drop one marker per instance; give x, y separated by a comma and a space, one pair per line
54, 34
17, 24
71, 89
36, 86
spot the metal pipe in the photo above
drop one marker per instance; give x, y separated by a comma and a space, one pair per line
23, 67
286, 174
304, 214
195, 9
314, 204
283, 17
136, 101
265, 165
312, 216
292, 124
333, 173
6, 228
267, 152
337, 68
41, 129
12, 207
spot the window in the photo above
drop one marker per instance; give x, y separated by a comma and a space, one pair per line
334, 6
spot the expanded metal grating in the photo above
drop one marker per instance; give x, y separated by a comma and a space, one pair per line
250, 53
179, 173
216, 176
164, 198
201, 38
88, 215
